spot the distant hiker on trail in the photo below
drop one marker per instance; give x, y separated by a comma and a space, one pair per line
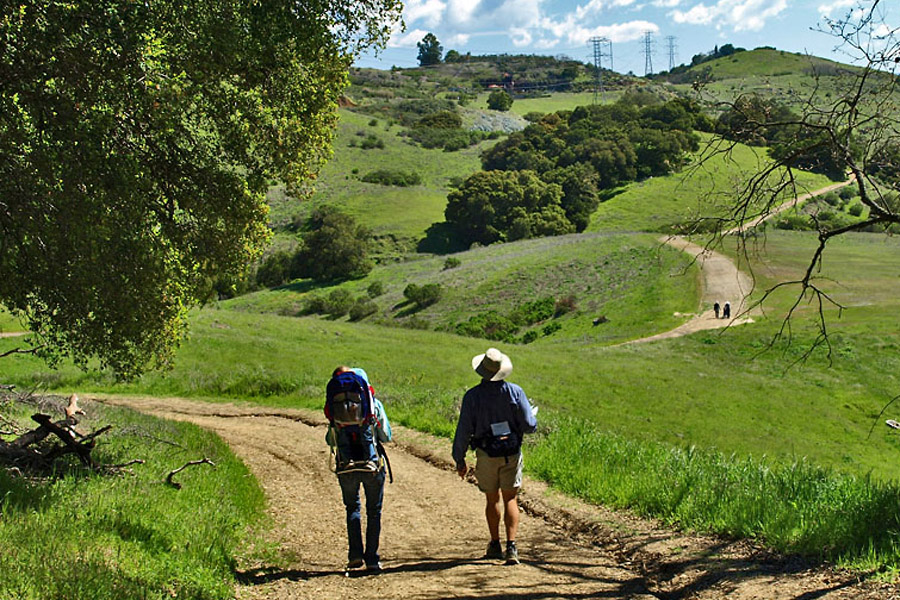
495, 414
357, 426
726, 311
716, 309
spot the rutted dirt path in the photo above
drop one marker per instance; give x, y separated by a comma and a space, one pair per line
434, 532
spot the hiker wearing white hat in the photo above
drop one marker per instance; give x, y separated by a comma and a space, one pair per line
494, 416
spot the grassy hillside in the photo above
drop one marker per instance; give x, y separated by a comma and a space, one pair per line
712, 389
659, 203
395, 212
630, 280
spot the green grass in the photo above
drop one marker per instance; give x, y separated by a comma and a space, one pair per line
751, 418
400, 213
84, 535
793, 507
630, 279
8, 323
659, 203
557, 101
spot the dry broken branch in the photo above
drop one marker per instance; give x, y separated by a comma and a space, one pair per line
177, 485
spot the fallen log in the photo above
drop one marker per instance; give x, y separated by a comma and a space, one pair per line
23, 451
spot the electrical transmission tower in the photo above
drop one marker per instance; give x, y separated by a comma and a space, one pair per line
602, 49
648, 53
670, 40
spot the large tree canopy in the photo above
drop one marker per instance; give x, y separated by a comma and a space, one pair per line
137, 140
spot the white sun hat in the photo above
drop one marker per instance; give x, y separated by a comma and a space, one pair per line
493, 365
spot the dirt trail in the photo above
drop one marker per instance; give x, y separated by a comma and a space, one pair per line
722, 281
434, 532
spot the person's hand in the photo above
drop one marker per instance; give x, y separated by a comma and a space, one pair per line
461, 470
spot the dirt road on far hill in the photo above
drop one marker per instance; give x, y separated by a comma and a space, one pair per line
434, 532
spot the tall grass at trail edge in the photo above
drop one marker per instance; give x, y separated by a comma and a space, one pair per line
792, 507
103, 537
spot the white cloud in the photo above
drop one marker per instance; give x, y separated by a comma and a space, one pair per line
666, 3
459, 39
430, 12
408, 39
520, 37
459, 12
827, 10
740, 15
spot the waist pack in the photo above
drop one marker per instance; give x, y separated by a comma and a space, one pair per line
500, 442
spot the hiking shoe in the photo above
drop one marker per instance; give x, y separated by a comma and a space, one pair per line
355, 563
494, 551
512, 554
374, 568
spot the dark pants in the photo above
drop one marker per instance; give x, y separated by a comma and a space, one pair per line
373, 484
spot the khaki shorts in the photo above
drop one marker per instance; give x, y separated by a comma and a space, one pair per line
498, 473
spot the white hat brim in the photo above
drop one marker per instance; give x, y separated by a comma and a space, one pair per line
502, 373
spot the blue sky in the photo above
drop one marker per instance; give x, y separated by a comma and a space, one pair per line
565, 27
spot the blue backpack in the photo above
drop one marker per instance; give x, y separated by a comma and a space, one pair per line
350, 410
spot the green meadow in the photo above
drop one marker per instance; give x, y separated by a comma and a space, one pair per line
701, 189
636, 283
402, 214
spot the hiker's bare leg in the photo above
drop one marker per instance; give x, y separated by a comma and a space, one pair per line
510, 513
492, 513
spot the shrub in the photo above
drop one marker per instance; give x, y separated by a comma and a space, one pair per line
371, 141
373, 122
533, 312
375, 289
490, 325
362, 308
451, 263
551, 328
530, 336
855, 209
499, 100
338, 303
392, 177
424, 295
564, 305
831, 199
316, 305
848, 191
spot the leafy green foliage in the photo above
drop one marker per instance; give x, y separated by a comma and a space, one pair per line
423, 295
591, 149
393, 177
375, 289
499, 100
144, 146
492, 206
430, 50
334, 248
451, 262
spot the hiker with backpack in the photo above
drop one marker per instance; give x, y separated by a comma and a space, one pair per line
357, 427
494, 416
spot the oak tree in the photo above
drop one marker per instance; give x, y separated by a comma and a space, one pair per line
137, 141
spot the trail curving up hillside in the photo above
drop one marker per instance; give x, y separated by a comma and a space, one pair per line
722, 280
434, 532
